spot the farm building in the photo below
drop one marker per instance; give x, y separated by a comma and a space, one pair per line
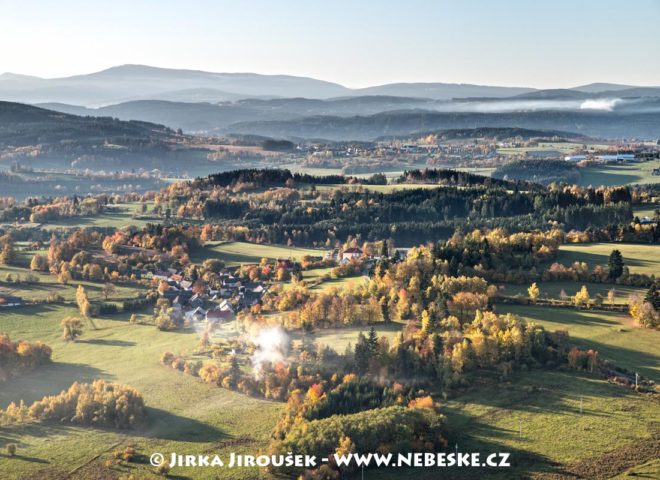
10, 301
351, 253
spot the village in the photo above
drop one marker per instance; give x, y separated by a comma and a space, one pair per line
198, 301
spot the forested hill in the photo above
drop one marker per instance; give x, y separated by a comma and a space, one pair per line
23, 125
501, 133
401, 123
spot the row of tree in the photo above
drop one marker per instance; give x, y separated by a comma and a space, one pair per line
100, 403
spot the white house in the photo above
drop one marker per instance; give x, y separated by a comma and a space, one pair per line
351, 253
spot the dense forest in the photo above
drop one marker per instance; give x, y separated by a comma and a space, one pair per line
544, 172
407, 216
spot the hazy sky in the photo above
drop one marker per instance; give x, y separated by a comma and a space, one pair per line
539, 43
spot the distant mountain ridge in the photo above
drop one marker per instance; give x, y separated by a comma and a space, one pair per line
139, 82
134, 82
286, 106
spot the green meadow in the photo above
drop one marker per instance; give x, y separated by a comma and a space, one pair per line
185, 415
638, 258
612, 334
619, 174
237, 253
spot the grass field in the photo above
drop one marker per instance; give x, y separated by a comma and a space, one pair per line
612, 334
237, 253
186, 415
48, 283
117, 216
557, 438
546, 404
639, 258
622, 174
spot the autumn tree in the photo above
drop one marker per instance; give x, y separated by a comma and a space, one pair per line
108, 290
464, 304
582, 298
643, 312
64, 277
39, 263
611, 294
533, 292
168, 319
84, 305
72, 328
7, 254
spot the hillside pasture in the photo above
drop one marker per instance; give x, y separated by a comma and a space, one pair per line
48, 283
619, 174
185, 415
612, 334
556, 436
553, 424
638, 258
238, 253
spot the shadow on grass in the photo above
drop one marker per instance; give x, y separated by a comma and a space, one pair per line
523, 464
161, 424
46, 380
569, 256
564, 316
166, 425
539, 392
644, 363
18, 432
605, 325
24, 458
40, 310
108, 343
544, 391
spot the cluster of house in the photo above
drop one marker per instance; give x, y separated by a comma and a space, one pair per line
214, 305
343, 257
603, 158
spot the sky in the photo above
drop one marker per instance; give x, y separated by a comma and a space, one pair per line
358, 43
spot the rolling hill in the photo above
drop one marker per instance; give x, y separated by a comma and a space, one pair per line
203, 117
37, 136
22, 125
587, 122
